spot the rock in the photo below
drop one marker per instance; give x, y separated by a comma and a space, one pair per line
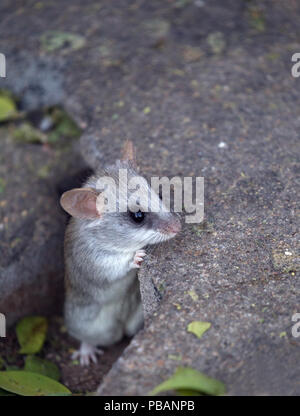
156, 28
31, 227
234, 261
31, 221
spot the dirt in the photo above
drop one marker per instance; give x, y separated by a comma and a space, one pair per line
58, 349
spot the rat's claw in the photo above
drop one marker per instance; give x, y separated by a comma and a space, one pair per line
138, 258
86, 353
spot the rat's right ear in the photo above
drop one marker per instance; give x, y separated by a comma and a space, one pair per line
80, 203
129, 153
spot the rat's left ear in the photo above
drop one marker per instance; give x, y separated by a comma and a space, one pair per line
129, 153
80, 203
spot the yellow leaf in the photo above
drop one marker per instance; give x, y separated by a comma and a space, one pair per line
198, 327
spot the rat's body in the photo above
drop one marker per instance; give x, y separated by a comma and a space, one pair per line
105, 304
102, 254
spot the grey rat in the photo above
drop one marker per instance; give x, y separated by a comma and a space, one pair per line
103, 251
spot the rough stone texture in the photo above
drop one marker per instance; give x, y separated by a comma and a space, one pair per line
179, 79
31, 221
31, 228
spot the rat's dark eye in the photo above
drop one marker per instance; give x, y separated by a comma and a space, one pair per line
137, 217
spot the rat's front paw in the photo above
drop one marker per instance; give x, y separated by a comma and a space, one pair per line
86, 354
138, 259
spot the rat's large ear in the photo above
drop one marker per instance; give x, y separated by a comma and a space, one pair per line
129, 153
80, 203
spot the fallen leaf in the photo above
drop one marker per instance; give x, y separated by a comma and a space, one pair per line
35, 364
193, 295
7, 108
156, 28
189, 379
25, 383
175, 357
28, 134
31, 333
198, 327
217, 42
5, 393
67, 42
192, 53
12, 368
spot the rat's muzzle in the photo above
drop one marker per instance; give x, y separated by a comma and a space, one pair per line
171, 226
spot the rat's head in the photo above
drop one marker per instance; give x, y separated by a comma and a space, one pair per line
140, 217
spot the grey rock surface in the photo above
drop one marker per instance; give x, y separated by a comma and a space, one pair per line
202, 91
31, 227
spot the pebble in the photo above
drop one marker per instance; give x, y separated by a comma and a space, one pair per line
222, 145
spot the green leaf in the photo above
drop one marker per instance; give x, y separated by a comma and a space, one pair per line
25, 383
183, 392
193, 295
186, 378
12, 368
198, 327
38, 365
64, 127
5, 393
26, 133
7, 108
67, 42
31, 333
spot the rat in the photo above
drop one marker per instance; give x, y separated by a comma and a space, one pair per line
103, 252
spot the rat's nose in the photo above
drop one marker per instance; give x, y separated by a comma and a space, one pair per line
176, 226
173, 226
